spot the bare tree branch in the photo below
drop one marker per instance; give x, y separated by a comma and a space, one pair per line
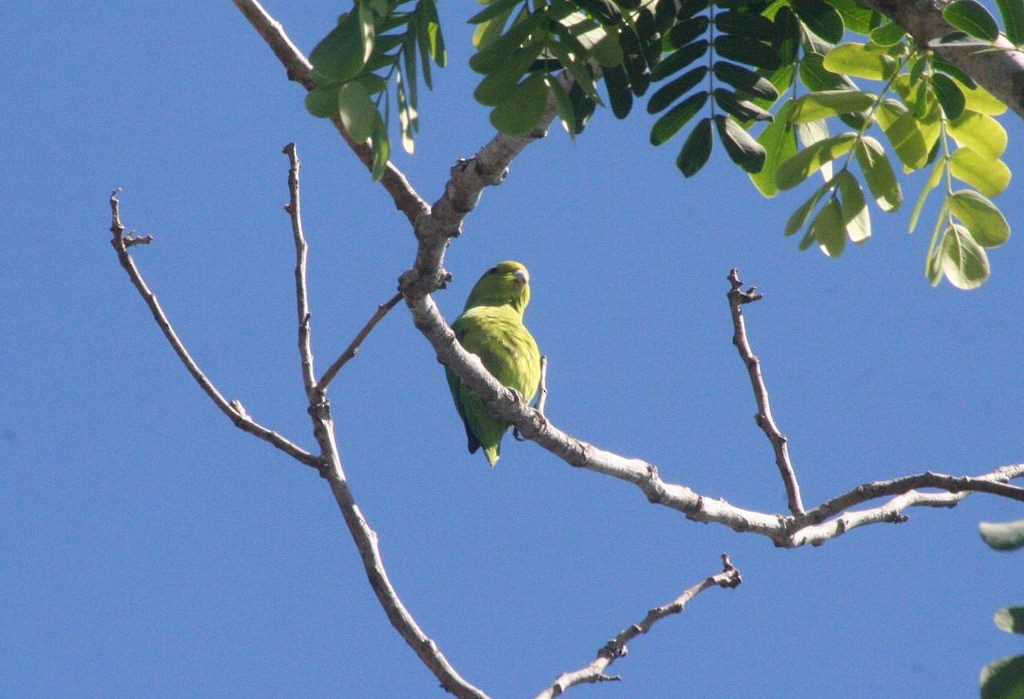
783, 530
234, 410
294, 209
365, 538
764, 417
616, 647
353, 349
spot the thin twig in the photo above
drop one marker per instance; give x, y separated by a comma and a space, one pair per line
764, 418
353, 349
294, 209
237, 415
616, 647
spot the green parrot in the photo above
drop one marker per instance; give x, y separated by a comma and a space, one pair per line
491, 327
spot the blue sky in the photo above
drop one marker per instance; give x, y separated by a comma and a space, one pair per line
148, 547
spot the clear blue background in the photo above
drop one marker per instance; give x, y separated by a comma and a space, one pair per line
149, 548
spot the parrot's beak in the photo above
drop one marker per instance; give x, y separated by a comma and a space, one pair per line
522, 277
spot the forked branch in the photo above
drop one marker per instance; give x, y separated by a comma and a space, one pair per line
764, 419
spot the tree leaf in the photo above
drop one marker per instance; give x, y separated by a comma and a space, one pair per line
827, 229
741, 109
907, 140
686, 31
341, 54
1012, 12
817, 78
381, 150
950, 96
748, 24
779, 142
799, 217
856, 17
980, 217
978, 99
697, 149
971, 17
808, 161
878, 174
679, 59
820, 105
520, 111
619, 95
1003, 536
563, 105
322, 100
675, 118
854, 208
821, 18
858, 61
964, 262
1010, 619
357, 111
1003, 678
933, 181
749, 51
990, 177
889, 34
741, 146
743, 78
675, 88
979, 132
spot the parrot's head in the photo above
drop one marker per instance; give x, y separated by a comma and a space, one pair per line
505, 284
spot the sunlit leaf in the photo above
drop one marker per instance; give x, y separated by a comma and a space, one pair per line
779, 142
799, 217
1003, 536
980, 217
854, 208
979, 132
808, 161
990, 177
878, 174
971, 17
827, 229
820, 105
964, 262
1010, 619
858, 61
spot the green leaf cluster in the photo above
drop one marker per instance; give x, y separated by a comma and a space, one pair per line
379, 48
1004, 678
792, 89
